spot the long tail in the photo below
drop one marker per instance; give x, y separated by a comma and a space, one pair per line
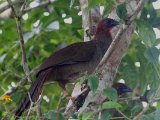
34, 92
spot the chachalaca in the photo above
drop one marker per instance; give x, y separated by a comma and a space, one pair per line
69, 63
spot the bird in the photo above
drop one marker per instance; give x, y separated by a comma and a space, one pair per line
121, 89
69, 63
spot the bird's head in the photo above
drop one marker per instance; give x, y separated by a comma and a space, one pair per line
106, 25
121, 88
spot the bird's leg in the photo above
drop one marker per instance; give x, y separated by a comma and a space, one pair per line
63, 86
65, 93
84, 85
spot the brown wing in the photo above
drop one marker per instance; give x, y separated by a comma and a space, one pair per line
72, 54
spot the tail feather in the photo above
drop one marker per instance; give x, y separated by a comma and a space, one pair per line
34, 92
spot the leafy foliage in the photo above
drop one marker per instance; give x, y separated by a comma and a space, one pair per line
110, 104
45, 30
146, 33
110, 93
93, 82
52, 115
122, 11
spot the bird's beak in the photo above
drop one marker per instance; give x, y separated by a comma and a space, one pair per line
115, 23
127, 89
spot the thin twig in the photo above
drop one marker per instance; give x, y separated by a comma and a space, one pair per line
123, 114
23, 7
117, 118
4, 6
12, 7
39, 111
24, 59
136, 12
99, 115
20, 33
139, 116
20, 83
129, 98
32, 103
156, 100
111, 48
43, 4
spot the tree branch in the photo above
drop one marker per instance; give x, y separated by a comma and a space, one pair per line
20, 33
43, 4
111, 60
139, 116
123, 114
4, 6
119, 34
20, 83
30, 107
90, 19
111, 48
39, 111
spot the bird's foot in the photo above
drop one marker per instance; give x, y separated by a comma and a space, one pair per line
65, 94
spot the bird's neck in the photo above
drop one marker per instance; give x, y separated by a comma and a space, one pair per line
104, 39
102, 31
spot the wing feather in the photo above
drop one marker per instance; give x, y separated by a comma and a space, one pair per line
72, 54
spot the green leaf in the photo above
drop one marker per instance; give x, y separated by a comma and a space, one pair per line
71, 3
108, 6
158, 105
110, 104
110, 93
150, 1
122, 11
52, 115
128, 71
93, 82
146, 33
2, 58
156, 22
87, 116
106, 114
152, 116
93, 3
152, 54
136, 107
150, 94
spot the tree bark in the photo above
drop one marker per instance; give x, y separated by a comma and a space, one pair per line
107, 71
123, 35
90, 19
